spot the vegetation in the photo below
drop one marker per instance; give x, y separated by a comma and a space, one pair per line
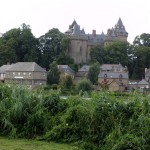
24, 144
53, 74
93, 72
84, 85
102, 121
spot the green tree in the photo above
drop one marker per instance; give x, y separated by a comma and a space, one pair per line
18, 44
67, 82
141, 46
98, 53
53, 74
54, 46
93, 72
117, 52
84, 85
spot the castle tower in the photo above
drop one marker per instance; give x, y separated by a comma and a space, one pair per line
121, 33
78, 44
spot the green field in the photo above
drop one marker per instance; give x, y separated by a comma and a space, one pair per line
23, 144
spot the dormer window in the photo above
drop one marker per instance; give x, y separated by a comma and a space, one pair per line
120, 76
105, 75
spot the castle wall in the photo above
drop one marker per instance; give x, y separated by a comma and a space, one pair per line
78, 50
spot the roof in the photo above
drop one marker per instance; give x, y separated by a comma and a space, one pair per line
143, 82
4, 68
113, 75
66, 69
26, 66
84, 68
110, 66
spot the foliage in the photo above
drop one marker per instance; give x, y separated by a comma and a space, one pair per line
93, 72
66, 81
84, 85
23, 144
18, 44
53, 74
98, 53
102, 121
53, 46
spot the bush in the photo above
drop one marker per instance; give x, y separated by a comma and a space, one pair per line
84, 85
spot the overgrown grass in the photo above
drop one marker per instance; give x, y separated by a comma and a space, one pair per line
24, 144
103, 121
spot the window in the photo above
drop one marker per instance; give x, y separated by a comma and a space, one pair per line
105, 75
24, 73
18, 73
29, 74
120, 76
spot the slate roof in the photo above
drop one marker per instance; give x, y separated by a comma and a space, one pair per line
113, 75
84, 68
26, 66
143, 82
110, 66
65, 68
4, 68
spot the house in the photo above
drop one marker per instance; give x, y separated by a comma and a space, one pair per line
147, 75
113, 77
82, 72
3, 72
26, 73
66, 70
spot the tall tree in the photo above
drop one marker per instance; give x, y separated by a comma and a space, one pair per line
18, 45
117, 52
93, 72
98, 53
54, 46
141, 46
53, 74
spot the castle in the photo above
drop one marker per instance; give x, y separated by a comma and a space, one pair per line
81, 43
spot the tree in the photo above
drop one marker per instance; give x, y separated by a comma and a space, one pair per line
117, 52
93, 72
18, 45
53, 46
66, 82
141, 46
142, 40
53, 74
98, 53
84, 85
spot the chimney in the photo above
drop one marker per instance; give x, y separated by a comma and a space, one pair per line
93, 32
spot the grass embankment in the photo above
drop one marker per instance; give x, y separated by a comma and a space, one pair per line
24, 144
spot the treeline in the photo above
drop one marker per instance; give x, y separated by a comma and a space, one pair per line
19, 44
103, 122
135, 56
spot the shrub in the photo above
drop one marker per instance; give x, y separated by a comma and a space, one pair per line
84, 85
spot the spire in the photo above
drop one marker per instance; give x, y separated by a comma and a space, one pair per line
73, 23
120, 25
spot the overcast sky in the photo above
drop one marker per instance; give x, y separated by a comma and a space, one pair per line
100, 15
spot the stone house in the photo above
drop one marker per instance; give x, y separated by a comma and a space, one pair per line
66, 70
3, 72
113, 77
82, 72
26, 73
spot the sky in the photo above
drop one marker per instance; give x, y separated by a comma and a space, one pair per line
43, 15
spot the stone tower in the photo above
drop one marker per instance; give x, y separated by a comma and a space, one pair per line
81, 43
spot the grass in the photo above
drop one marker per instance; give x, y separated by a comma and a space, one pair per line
24, 144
